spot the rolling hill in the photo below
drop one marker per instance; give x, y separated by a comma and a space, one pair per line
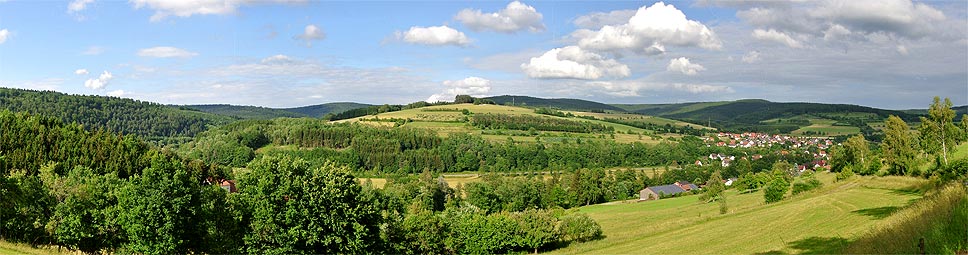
560, 103
320, 110
765, 116
257, 112
126, 116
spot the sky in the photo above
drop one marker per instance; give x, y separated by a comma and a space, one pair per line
894, 54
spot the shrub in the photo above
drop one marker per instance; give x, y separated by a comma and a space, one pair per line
845, 174
578, 227
807, 183
775, 190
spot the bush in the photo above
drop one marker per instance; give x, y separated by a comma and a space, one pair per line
807, 183
845, 174
775, 190
578, 227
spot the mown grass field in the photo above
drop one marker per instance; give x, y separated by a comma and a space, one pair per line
448, 119
820, 221
827, 127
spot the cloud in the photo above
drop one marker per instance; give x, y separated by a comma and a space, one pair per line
903, 50
650, 29
515, 17
311, 33
436, 36
78, 5
597, 20
166, 52
773, 35
187, 8
837, 19
634, 88
93, 50
100, 82
473, 86
751, 57
4, 34
81, 72
572, 62
683, 65
116, 93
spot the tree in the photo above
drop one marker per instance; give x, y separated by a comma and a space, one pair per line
776, 189
463, 99
295, 209
854, 152
715, 191
536, 228
85, 217
160, 208
897, 147
938, 132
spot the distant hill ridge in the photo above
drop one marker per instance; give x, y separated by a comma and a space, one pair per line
258, 112
560, 103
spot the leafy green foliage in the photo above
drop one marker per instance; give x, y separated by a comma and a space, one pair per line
939, 135
119, 115
560, 103
898, 147
776, 189
806, 182
295, 209
525, 122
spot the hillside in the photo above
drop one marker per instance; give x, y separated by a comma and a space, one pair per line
451, 119
823, 221
127, 116
245, 112
560, 103
765, 116
257, 112
320, 110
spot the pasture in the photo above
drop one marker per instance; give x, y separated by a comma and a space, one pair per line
819, 221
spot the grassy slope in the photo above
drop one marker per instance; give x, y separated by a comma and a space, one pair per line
445, 122
822, 221
560, 103
16, 248
826, 126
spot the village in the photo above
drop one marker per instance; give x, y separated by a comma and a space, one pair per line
815, 148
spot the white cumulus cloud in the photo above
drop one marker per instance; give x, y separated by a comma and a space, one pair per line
515, 17
683, 65
438, 36
473, 86
81, 72
650, 29
597, 20
776, 36
187, 8
100, 82
166, 52
4, 34
572, 62
78, 5
116, 93
751, 57
311, 33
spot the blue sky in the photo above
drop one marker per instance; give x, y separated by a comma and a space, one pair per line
285, 53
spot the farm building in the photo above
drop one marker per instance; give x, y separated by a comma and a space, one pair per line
656, 192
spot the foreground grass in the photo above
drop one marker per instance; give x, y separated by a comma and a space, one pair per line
16, 248
821, 221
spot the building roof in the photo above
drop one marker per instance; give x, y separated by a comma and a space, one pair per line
667, 189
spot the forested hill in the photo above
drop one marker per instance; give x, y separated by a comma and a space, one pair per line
754, 114
320, 110
560, 103
264, 113
245, 112
127, 116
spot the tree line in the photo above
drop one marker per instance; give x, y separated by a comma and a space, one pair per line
527, 122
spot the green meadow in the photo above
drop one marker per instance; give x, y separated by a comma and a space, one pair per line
820, 221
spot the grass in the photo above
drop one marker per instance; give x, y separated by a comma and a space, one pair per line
16, 248
821, 221
448, 122
827, 127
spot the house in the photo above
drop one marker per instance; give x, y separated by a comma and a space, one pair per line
686, 186
656, 192
228, 185
730, 181
698, 163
